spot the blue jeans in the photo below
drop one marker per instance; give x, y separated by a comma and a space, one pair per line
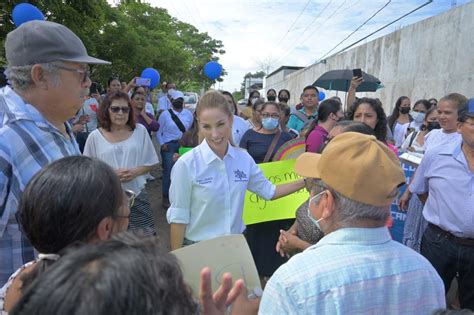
167, 163
449, 258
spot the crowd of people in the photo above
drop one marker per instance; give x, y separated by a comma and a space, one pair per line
78, 235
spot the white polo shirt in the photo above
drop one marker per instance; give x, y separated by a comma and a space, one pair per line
239, 127
207, 193
168, 130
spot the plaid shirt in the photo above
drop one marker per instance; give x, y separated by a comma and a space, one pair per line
27, 143
355, 271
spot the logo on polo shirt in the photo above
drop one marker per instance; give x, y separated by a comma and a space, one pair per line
240, 176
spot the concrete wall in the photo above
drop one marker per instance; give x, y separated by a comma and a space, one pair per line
431, 58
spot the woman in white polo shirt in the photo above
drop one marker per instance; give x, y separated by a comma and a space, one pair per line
209, 183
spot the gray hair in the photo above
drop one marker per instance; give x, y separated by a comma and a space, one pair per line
20, 76
349, 211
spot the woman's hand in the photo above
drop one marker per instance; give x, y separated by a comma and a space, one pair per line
289, 243
127, 174
404, 199
355, 82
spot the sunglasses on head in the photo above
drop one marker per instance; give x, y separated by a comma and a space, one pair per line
116, 109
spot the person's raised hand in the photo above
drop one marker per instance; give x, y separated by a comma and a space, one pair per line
355, 82
226, 294
404, 199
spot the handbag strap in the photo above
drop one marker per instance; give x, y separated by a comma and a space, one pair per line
272, 146
177, 121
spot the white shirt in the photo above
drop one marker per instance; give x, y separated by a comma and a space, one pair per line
149, 109
169, 131
207, 193
239, 127
90, 108
414, 144
437, 136
399, 133
135, 151
164, 103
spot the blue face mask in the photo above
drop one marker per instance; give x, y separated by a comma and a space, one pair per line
418, 117
315, 222
270, 123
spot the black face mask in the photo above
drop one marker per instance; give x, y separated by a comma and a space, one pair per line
283, 99
433, 125
178, 104
404, 110
271, 98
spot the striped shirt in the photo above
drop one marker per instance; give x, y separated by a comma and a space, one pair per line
355, 271
28, 142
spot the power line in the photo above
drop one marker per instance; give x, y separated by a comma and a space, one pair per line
358, 28
383, 27
294, 22
307, 27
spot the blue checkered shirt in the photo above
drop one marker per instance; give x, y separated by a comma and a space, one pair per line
355, 271
27, 143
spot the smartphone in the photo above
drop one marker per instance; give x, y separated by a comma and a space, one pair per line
357, 72
93, 88
143, 82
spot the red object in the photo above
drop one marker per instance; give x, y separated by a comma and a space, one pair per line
93, 107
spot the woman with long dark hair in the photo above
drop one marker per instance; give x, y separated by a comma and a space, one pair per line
329, 113
399, 120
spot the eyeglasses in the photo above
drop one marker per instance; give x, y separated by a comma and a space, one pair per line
85, 73
131, 201
267, 115
116, 109
131, 197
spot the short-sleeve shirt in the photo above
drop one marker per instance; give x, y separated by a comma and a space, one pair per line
444, 173
355, 271
297, 123
257, 144
136, 150
437, 137
207, 193
316, 139
239, 127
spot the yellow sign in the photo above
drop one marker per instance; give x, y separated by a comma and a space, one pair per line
257, 209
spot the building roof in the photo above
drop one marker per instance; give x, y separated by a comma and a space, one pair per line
284, 68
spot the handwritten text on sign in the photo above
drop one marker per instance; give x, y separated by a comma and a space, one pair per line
257, 209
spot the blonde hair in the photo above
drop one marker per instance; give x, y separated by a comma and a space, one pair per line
213, 100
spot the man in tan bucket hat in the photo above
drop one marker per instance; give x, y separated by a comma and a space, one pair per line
356, 268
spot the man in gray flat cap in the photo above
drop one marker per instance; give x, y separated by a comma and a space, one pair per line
49, 77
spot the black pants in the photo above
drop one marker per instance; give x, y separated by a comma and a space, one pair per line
81, 138
449, 258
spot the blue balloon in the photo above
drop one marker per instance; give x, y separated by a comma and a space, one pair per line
153, 75
25, 12
322, 96
213, 70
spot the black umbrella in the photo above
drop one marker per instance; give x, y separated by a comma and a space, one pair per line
340, 80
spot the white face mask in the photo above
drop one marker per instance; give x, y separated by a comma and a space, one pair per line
315, 222
418, 117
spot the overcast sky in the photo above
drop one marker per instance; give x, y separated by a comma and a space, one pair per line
292, 33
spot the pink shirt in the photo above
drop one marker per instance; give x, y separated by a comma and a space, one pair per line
316, 139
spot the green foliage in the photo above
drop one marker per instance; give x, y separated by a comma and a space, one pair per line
133, 36
237, 95
258, 74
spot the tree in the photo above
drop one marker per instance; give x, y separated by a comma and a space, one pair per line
133, 36
258, 74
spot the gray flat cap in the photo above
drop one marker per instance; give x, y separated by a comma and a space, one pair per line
42, 41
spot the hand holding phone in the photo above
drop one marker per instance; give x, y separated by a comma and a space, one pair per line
143, 82
357, 72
